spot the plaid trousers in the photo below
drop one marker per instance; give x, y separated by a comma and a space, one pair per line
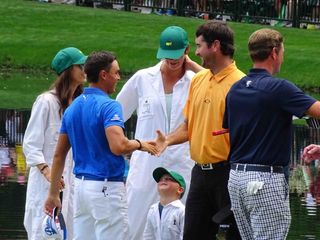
264, 215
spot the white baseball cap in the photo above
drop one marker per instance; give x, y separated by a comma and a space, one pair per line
54, 227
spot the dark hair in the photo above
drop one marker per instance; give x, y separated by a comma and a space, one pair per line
63, 91
217, 30
96, 62
261, 43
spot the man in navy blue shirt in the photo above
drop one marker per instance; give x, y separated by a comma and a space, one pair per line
259, 110
93, 125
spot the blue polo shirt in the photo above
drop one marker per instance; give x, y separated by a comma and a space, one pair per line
84, 122
259, 110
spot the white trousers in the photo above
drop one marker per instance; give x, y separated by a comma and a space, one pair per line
100, 210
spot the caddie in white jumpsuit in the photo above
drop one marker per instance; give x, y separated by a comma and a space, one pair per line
41, 138
39, 144
158, 95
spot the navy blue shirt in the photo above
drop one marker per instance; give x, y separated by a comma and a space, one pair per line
84, 122
259, 110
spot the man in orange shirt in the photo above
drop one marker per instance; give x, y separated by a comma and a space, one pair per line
204, 113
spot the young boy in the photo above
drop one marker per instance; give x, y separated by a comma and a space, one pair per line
165, 219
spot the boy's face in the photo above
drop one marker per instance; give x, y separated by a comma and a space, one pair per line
167, 185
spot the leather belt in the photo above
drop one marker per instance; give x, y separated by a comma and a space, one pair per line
256, 168
94, 178
211, 166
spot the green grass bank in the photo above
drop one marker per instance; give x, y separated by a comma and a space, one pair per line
31, 33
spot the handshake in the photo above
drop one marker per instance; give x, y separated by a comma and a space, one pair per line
155, 147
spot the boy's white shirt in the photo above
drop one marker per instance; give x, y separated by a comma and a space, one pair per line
170, 226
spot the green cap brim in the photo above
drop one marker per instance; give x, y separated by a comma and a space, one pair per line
81, 60
160, 171
170, 54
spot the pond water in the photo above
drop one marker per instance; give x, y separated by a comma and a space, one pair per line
304, 201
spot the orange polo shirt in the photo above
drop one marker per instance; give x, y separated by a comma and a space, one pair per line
204, 110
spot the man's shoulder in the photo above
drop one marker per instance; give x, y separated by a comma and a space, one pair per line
237, 74
108, 102
203, 74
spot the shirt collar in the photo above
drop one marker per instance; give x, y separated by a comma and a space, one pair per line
94, 90
177, 203
260, 71
224, 72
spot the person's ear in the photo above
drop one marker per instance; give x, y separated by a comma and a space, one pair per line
274, 53
186, 52
180, 190
216, 44
103, 74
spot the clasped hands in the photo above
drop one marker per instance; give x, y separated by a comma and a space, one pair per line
155, 147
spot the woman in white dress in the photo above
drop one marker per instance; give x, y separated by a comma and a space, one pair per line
41, 137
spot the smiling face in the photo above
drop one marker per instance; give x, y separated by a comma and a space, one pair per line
112, 77
203, 51
175, 64
168, 186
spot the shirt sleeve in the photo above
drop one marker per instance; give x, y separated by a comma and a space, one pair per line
128, 97
63, 129
293, 99
225, 123
35, 133
112, 115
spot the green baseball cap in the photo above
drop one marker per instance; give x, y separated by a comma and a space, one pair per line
173, 43
66, 58
160, 171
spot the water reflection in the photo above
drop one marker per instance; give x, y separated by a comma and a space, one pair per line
305, 201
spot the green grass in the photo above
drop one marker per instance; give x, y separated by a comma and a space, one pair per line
32, 32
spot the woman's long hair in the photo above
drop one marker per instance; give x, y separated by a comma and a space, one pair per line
63, 90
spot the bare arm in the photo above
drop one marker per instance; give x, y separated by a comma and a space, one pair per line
312, 151
192, 65
120, 144
59, 158
180, 135
314, 110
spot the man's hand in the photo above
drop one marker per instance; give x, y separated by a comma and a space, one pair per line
161, 142
149, 147
311, 153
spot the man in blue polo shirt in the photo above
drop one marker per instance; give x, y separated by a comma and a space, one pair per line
259, 110
93, 126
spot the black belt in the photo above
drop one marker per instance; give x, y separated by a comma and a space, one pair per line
211, 166
256, 168
94, 178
